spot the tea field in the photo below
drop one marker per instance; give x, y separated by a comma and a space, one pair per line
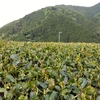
49, 71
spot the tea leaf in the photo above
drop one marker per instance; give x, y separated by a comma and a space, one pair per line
43, 85
10, 78
98, 97
53, 96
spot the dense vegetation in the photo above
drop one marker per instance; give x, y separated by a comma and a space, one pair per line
49, 71
77, 24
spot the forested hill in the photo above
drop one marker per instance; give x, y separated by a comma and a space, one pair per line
77, 24
88, 12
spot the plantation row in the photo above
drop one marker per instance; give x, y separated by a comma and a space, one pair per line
49, 71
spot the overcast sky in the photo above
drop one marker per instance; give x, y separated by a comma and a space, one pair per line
11, 10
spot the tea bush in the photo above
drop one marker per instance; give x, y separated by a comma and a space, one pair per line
49, 71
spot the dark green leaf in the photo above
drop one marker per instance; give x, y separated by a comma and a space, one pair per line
53, 95
29, 64
1, 98
16, 63
43, 85
10, 78
57, 88
54, 73
32, 95
68, 97
47, 97
13, 56
84, 83
98, 97
65, 79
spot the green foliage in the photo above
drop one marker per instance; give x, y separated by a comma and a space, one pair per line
49, 71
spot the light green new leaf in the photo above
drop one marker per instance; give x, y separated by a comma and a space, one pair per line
64, 92
89, 90
3, 90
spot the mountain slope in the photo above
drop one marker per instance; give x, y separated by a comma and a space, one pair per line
44, 25
88, 12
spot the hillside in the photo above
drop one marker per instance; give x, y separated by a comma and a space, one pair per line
88, 12
77, 24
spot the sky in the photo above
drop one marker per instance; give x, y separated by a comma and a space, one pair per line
11, 10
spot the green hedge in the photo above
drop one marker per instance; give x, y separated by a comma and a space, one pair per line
49, 71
